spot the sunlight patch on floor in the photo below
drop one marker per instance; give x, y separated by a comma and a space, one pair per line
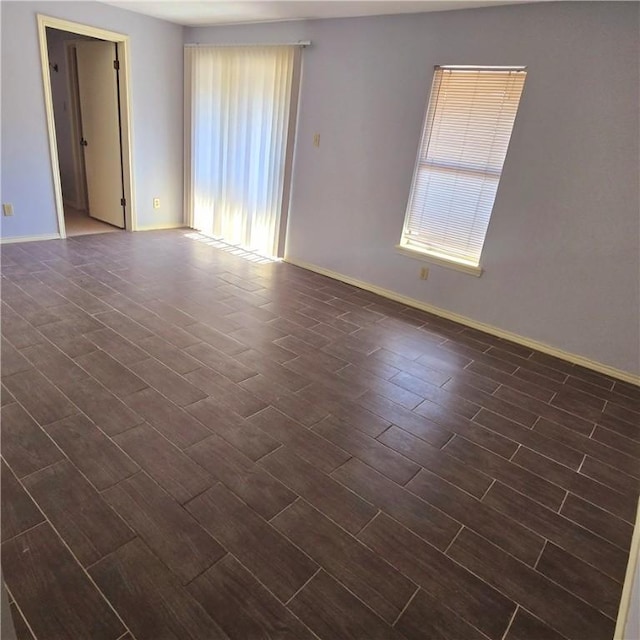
246, 254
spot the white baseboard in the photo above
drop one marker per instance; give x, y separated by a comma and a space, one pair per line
469, 322
12, 239
629, 599
160, 227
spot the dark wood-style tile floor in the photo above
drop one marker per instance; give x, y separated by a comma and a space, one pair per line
197, 446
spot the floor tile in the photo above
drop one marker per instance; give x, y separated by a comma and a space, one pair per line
621, 504
5, 396
17, 330
384, 589
149, 599
272, 370
57, 367
116, 346
126, 327
38, 568
628, 445
532, 485
251, 422
569, 535
173, 470
175, 387
600, 522
437, 395
39, 397
81, 517
547, 411
226, 393
19, 511
291, 404
22, 631
12, 360
529, 387
228, 366
423, 519
101, 406
303, 442
437, 461
342, 506
242, 434
95, 455
345, 410
117, 378
556, 607
164, 525
330, 611
421, 427
469, 429
266, 553
25, 446
367, 449
170, 355
461, 591
579, 578
588, 446
478, 516
249, 481
216, 339
528, 627
242, 606
427, 617
175, 424
355, 375
530, 438
610, 476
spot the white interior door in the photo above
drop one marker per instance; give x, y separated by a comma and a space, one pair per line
98, 90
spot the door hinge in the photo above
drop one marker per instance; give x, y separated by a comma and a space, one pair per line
116, 65
123, 202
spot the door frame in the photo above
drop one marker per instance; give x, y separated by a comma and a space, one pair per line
125, 109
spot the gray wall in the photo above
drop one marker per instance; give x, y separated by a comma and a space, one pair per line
562, 253
157, 105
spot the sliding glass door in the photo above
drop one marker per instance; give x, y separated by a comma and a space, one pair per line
241, 128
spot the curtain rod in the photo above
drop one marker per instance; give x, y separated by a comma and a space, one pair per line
301, 43
471, 67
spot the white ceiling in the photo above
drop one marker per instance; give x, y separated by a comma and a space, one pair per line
214, 12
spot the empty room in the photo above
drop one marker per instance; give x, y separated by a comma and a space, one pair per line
320, 320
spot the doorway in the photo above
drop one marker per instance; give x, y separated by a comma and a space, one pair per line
240, 129
85, 75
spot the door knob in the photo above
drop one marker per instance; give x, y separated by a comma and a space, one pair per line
83, 142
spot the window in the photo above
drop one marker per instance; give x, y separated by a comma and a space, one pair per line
464, 143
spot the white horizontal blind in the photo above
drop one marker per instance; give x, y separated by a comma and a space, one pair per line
464, 143
240, 104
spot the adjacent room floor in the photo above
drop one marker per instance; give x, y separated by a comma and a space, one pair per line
80, 223
198, 445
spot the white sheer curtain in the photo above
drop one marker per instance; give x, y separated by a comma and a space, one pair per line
239, 120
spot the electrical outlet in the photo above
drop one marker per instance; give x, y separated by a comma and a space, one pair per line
424, 273
156, 203
7, 209
316, 139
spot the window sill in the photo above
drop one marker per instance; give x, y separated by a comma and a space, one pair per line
425, 256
